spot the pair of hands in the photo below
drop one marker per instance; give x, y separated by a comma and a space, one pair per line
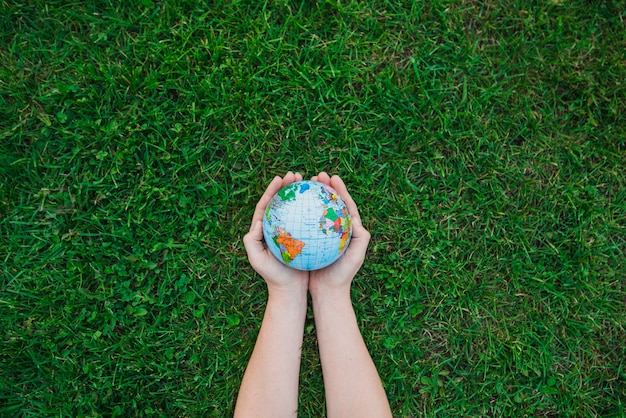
285, 280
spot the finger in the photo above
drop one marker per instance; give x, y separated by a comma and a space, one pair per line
298, 177
289, 178
271, 190
314, 178
323, 177
338, 184
253, 240
359, 242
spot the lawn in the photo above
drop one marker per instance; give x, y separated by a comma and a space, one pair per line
484, 142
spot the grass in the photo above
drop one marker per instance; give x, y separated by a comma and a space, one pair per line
485, 143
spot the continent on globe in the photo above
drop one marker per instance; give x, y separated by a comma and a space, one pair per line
288, 193
338, 223
290, 247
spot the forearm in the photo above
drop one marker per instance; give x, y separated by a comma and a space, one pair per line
270, 384
351, 380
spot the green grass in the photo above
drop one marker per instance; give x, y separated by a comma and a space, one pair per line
485, 143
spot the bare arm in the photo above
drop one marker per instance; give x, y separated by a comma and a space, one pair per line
270, 383
352, 385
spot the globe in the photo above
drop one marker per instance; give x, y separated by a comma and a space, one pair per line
307, 225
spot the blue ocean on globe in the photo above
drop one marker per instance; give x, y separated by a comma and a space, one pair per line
307, 225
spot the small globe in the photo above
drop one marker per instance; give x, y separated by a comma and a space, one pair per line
307, 226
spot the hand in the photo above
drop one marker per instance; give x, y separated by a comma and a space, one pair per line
338, 276
279, 278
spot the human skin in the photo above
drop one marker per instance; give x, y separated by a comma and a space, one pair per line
351, 382
270, 384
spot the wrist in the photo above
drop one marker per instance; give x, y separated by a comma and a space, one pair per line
331, 307
331, 294
288, 296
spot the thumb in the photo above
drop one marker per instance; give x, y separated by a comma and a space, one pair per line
359, 242
253, 240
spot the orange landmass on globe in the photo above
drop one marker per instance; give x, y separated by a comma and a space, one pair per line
292, 246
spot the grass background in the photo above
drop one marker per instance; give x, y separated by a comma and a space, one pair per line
483, 141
